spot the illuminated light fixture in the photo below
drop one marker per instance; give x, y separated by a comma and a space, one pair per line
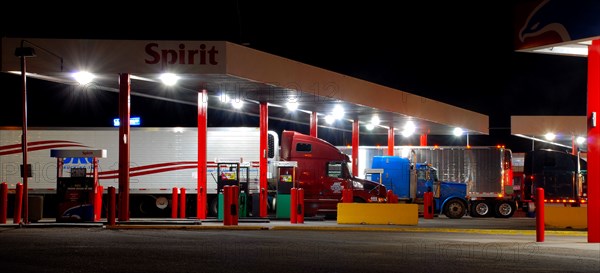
409, 129
237, 104
224, 98
550, 136
292, 105
169, 79
458, 131
338, 112
83, 77
178, 130
580, 140
370, 126
329, 119
375, 120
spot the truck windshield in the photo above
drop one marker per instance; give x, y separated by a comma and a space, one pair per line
337, 170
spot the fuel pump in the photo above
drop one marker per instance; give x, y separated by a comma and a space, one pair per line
228, 174
286, 179
77, 184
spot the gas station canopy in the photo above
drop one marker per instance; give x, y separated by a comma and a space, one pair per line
239, 73
557, 130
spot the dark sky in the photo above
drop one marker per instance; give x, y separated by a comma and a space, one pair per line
456, 52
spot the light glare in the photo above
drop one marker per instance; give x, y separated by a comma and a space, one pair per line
338, 112
550, 136
329, 119
169, 79
458, 131
83, 77
292, 105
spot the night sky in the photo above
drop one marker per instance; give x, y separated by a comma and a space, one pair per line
455, 52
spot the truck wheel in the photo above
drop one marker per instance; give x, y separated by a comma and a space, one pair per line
454, 209
480, 209
505, 209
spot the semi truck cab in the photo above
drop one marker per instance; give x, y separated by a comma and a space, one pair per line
323, 173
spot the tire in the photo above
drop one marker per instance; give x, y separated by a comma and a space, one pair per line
454, 209
480, 209
504, 209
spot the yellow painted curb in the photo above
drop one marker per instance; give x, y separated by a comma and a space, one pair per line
186, 227
378, 214
565, 217
442, 230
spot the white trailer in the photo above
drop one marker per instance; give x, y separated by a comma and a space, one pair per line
486, 171
161, 158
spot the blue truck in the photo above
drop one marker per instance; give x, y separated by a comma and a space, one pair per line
410, 181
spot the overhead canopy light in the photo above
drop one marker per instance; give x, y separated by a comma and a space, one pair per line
83, 77
169, 79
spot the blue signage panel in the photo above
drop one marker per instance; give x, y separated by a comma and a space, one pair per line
133, 121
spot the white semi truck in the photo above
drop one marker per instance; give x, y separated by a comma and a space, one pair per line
161, 158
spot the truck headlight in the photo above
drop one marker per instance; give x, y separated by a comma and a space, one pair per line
357, 185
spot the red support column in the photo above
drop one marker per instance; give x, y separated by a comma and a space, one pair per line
313, 124
264, 127
423, 140
593, 142
391, 140
355, 143
202, 117
573, 146
124, 140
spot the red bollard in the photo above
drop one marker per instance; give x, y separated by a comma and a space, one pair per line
235, 205
391, 197
300, 211
539, 218
293, 205
98, 203
428, 205
226, 205
174, 202
300, 207
18, 203
112, 206
347, 195
182, 203
3, 202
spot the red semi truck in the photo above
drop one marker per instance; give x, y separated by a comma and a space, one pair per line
323, 173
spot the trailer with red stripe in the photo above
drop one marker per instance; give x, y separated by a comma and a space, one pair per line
161, 158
